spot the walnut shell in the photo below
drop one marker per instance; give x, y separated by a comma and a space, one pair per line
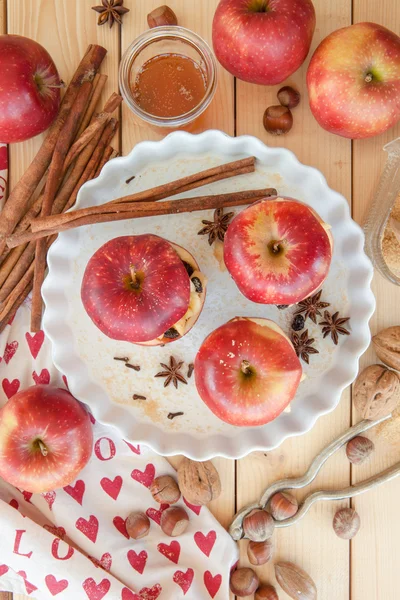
387, 346
376, 392
199, 482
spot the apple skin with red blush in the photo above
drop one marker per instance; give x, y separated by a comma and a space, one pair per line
46, 439
278, 251
247, 371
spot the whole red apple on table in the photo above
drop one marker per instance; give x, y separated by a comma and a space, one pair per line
263, 41
247, 371
278, 251
29, 89
143, 289
354, 81
46, 439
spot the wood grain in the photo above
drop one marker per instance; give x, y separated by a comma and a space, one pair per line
375, 550
311, 543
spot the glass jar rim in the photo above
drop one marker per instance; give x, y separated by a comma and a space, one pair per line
143, 41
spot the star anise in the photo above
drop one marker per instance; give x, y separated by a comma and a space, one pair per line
216, 229
333, 325
303, 345
311, 307
171, 372
110, 11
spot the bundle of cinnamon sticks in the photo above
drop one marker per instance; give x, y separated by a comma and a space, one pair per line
74, 151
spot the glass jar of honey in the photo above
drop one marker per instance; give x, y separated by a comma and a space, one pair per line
168, 77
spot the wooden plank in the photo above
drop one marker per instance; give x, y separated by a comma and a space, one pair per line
312, 543
375, 549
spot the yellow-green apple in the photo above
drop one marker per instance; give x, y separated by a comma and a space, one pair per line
29, 89
278, 251
46, 439
247, 371
354, 81
263, 41
143, 289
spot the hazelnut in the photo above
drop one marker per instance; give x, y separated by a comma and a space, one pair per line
259, 553
163, 15
165, 490
283, 506
358, 449
258, 526
137, 525
278, 120
346, 523
174, 521
266, 592
244, 582
288, 96
199, 482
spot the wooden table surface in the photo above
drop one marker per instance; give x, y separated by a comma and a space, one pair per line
367, 568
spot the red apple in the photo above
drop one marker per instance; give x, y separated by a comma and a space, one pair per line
278, 251
45, 439
354, 81
263, 41
29, 89
247, 371
143, 289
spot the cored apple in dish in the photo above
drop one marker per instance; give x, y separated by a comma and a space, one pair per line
278, 251
143, 289
46, 439
247, 371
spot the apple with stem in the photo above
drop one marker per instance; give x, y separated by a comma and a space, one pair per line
46, 439
29, 90
354, 81
247, 371
143, 289
278, 251
263, 41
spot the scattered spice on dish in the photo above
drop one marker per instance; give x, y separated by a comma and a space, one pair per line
124, 359
217, 228
303, 345
190, 370
311, 307
172, 415
333, 326
130, 179
138, 397
172, 373
110, 11
298, 323
134, 367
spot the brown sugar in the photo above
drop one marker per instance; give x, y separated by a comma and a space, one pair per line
169, 85
391, 240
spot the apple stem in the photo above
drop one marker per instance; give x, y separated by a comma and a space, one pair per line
135, 282
368, 78
276, 246
62, 84
43, 448
245, 367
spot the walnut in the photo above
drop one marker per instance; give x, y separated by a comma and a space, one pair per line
199, 482
376, 392
387, 346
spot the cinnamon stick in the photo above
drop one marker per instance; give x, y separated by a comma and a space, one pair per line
98, 86
23, 264
13, 297
145, 209
54, 178
22, 192
9, 263
13, 308
108, 152
112, 103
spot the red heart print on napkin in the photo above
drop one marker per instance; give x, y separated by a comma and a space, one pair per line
137, 561
144, 477
151, 593
212, 583
10, 387
3, 570
184, 580
205, 542
135, 449
28, 586
155, 514
76, 491
89, 528
55, 587
196, 509
112, 487
14, 503
170, 551
27, 496
96, 591
35, 342
56, 531
119, 524
42, 378
105, 562
9, 351
49, 497
128, 595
